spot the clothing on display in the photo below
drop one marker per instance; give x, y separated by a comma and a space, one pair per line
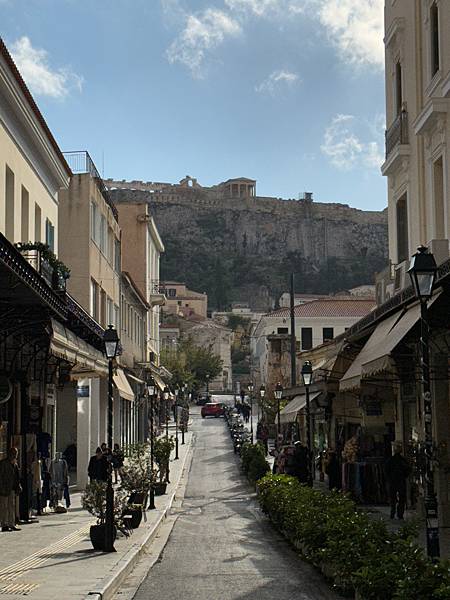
59, 477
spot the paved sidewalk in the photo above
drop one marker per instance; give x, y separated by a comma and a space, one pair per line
54, 559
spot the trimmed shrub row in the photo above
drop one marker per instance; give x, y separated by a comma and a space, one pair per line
359, 555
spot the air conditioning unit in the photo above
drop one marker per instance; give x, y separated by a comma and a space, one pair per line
401, 278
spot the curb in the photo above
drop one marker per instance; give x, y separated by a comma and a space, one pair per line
110, 585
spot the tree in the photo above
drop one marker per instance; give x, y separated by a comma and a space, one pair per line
190, 363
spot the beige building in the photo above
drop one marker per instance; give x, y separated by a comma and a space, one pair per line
182, 301
417, 164
32, 168
90, 229
141, 250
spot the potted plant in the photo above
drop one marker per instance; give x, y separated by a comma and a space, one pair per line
136, 481
94, 501
162, 448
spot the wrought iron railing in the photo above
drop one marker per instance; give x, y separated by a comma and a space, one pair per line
156, 287
397, 132
81, 162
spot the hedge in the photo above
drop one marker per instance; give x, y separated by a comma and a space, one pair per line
358, 554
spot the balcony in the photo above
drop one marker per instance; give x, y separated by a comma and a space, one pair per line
157, 293
42, 259
397, 144
81, 162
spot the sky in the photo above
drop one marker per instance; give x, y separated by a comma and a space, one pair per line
287, 92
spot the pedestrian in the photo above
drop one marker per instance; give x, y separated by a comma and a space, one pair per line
397, 470
98, 466
333, 470
103, 447
117, 462
9, 488
262, 434
300, 462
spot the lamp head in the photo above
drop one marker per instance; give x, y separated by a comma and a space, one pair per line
423, 270
278, 391
307, 373
151, 388
110, 342
166, 393
262, 391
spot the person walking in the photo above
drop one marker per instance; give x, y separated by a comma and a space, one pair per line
98, 466
397, 470
262, 435
9, 488
117, 462
333, 470
300, 462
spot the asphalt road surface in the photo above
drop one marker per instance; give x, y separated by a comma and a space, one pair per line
221, 546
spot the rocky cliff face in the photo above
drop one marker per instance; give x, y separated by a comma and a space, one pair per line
243, 249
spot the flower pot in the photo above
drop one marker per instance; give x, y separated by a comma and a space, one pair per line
136, 517
159, 488
97, 535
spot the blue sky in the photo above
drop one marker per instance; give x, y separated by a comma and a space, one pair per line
288, 92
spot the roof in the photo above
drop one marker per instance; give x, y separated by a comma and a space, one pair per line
328, 308
34, 107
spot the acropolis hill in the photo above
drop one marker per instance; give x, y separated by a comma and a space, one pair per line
238, 246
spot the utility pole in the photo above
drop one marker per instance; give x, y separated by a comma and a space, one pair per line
293, 341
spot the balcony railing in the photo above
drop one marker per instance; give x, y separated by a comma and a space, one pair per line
397, 132
81, 162
42, 259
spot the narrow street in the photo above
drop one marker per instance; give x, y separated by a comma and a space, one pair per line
221, 547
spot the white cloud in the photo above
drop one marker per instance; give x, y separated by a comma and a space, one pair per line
34, 67
346, 145
276, 80
356, 27
201, 34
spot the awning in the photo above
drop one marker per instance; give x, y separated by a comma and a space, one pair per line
375, 354
123, 386
86, 360
289, 413
159, 382
134, 378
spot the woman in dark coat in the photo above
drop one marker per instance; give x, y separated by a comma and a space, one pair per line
98, 466
333, 470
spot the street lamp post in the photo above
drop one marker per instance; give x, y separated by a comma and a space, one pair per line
177, 391
111, 346
250, 391
307, 373
278, 394
151, 392
423, 272
262, 393
207, 386
184, 424
166, 395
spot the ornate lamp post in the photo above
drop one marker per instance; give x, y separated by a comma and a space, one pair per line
250, 391
166, 395
278, 393
177, 391
207, 386
262, 393
111, 344
151, 388
423, 271
307, 374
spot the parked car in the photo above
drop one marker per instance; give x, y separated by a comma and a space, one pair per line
213, 409
202, 400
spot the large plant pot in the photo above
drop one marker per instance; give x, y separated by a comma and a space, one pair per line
138, 498
97, 535
159, 488
136, 517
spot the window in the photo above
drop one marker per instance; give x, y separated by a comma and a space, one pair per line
398, 89
37, 223
94, 222
402, 229
25, 226
172, 292
9, 205
103, 241
116, 316
283, 330
103, 315
434, 26
117, 261
110, 245
306, 338
327, 333
123, 317
110, 312
438, 197
50, 234
94, 300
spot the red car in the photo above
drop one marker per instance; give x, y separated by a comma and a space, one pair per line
212, 409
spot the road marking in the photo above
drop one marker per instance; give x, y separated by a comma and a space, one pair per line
19, 589
36, 559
